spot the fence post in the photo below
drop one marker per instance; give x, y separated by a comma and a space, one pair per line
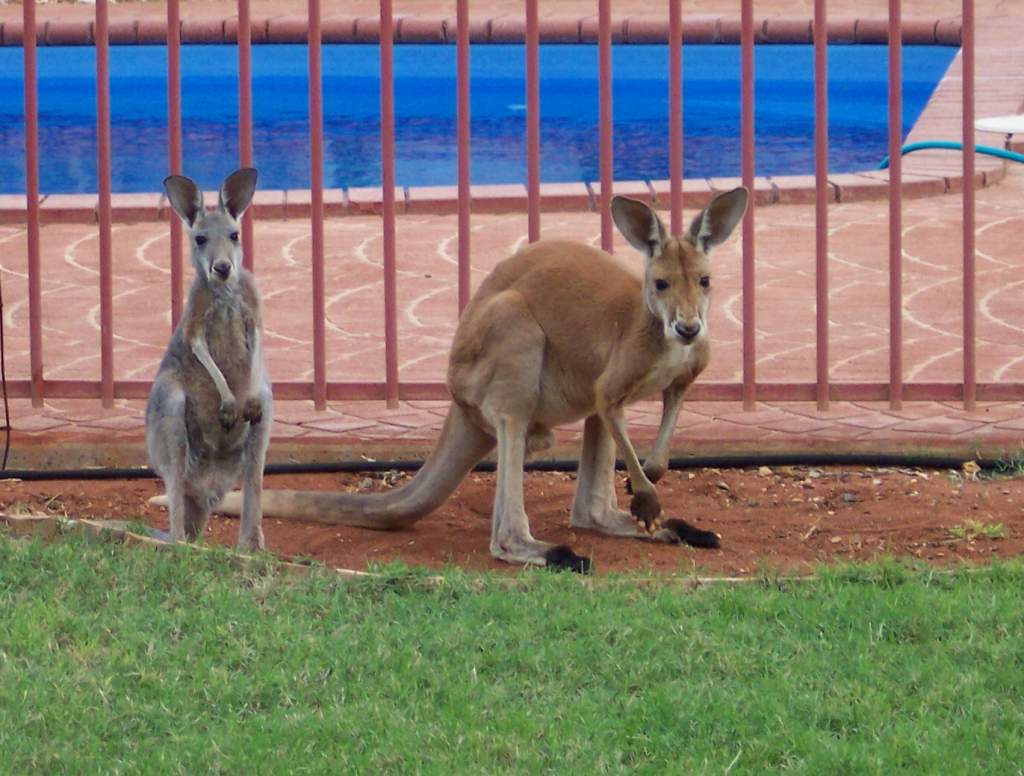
245, 156
174, 149
316, 213
532, 121
821, 198
35, 294
387, 163
606, 122
463, 143
103, 181
747, 164
675, 115
970, 353
895, 206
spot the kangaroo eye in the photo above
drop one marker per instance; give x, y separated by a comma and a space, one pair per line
705, 282
200, 239
234, 237
660, 284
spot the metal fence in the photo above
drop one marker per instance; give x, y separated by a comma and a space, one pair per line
392, 388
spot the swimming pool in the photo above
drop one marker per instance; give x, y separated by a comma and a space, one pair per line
425, 113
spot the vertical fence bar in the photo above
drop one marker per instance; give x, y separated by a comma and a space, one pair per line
821, 197
532, 121
174, 148
604, 43
675, 113
895, 205
387, 164
747, 164
103, 185
35, 294
970, 362
463, 140
245, 120
316, 213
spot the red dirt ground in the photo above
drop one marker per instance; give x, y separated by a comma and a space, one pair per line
789, 520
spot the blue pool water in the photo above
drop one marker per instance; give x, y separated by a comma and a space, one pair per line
425, 113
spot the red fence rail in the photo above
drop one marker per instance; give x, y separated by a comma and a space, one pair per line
530, 30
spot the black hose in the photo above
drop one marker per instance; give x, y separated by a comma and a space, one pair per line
738, 461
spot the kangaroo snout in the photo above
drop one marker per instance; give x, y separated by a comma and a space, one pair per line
222, 268
687, 331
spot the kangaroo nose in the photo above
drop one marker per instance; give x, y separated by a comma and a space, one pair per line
222, 268
687, 332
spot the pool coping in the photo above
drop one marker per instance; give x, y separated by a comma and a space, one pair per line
925, 174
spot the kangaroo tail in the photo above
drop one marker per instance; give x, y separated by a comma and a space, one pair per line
461, 446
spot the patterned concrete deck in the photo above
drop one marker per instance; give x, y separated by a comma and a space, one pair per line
80, 431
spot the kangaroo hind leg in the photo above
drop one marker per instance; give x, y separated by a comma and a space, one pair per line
511, 539
595, 505
167, 445
250, 531
512, 371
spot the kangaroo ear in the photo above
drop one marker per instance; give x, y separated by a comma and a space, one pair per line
639, 224
716, 222
185, 197
236, 192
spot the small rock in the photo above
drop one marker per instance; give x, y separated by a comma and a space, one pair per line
764, 471
365, 484
849, 498
392, 476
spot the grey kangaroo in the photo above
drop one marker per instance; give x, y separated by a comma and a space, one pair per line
209, 414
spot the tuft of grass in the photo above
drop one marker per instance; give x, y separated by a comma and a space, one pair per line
1010, 467
139, 526
120, 660
976, 529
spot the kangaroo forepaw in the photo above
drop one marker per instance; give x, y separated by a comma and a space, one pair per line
645, 508
562, 558
228, 415
682, 532
253, 411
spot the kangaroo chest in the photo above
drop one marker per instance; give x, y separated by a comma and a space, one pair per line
229, 325
678, 362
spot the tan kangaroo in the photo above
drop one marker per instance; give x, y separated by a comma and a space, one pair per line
209, 413
558, 332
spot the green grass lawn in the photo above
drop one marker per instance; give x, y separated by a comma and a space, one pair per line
114, 660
